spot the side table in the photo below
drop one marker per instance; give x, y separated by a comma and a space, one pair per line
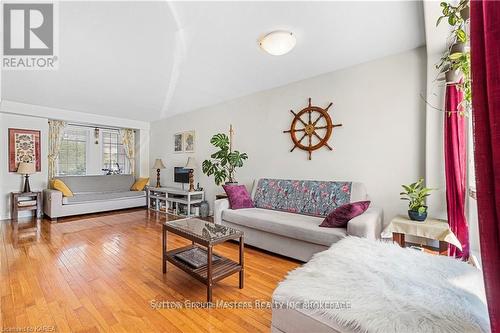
21, 201
431, 228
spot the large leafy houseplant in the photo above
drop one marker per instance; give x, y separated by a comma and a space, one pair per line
224, 161
415, 194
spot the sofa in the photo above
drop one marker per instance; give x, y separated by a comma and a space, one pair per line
92, 194
288, 213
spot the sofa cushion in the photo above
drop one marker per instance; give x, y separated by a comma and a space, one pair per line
102, 196
57, 184
290, 225
102, 183
308, 197
140, 184
340, 216
238, 196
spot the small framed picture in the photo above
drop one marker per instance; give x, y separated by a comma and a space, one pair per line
188, 141
178, 143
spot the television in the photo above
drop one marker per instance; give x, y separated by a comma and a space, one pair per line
181, 175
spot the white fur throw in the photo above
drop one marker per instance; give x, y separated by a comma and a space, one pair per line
389, 289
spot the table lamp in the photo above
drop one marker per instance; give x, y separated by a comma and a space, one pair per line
26, 169
158, 165
191, 165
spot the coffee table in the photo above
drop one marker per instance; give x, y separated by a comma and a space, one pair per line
207, 235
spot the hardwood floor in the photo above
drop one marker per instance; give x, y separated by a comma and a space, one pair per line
102, 273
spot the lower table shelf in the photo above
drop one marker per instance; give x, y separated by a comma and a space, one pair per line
220, 269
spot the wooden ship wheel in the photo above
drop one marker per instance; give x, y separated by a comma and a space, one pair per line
308, 134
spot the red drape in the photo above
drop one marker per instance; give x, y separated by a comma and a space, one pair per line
485, 55
455, 158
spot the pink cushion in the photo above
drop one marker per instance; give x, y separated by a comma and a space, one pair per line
339, 217
238, 196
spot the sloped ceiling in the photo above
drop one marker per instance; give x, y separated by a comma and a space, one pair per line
151, 60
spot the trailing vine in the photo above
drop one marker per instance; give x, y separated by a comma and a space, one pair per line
455, 63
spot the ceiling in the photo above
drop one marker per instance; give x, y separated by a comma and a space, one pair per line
151, 60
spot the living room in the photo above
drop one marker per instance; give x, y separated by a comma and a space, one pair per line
176, 166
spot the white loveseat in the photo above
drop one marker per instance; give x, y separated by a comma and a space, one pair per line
296, 235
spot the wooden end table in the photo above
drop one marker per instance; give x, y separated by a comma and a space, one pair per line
430, 228
208, 235
17, 197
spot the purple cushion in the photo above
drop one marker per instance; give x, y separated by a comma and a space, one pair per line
238, 196
339, 217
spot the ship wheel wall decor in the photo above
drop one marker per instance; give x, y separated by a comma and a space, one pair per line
311, 128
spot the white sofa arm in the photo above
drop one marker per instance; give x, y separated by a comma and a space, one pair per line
367, 225
219, 206
52, 203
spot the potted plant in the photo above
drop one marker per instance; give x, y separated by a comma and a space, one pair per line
416, 193
223, 163
455, 63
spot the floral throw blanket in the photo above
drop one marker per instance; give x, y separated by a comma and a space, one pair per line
308, 197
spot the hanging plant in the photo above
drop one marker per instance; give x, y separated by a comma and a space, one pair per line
455, 63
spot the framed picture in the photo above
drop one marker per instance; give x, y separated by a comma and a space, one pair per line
24, 146
178, 143
188, 141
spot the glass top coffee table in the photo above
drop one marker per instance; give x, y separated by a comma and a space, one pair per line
199, 261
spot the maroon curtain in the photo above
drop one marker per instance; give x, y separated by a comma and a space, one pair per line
455, 159
485, 55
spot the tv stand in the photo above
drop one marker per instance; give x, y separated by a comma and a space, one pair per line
174, 201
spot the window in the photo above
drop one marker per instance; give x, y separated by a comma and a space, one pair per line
113, 153
73, 153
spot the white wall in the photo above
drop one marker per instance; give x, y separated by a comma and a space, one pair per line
380, 144
18, 115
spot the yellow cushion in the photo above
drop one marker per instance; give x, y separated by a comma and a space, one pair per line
59, 185
140, 184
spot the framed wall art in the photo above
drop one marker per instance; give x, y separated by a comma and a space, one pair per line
178, 143
24, 146
184, 142
188, 141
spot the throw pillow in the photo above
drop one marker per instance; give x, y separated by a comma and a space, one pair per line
140, 184
59, 185
339, 217
238, 196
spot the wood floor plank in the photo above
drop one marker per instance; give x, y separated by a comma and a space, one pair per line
102, 273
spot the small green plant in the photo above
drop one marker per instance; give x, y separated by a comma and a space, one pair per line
416, 193
224, 161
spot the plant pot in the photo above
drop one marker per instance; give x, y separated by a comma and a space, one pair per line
465, 13
416, 216
453, 76
458, 47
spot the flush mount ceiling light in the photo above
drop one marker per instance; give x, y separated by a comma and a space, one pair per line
278, 42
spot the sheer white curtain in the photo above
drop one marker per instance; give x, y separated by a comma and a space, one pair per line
127, 136
56, 132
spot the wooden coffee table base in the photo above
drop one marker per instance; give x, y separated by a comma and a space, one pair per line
212, 271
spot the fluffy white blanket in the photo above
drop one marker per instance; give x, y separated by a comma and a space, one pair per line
389, 289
